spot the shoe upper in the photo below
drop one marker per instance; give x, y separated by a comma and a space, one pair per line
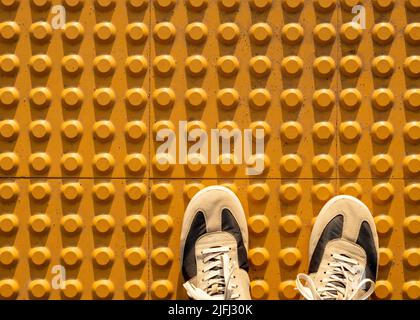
343, 252
214, 245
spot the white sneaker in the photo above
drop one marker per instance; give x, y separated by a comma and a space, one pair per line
343, 253
214, 246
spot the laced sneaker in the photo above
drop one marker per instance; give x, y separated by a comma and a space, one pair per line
343, 253
214, 246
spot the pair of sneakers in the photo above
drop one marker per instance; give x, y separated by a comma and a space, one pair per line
343, 250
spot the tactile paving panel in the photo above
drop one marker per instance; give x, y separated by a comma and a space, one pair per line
74, 100
81, 184
95, 229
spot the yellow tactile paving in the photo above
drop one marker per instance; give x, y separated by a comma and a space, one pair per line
95, 229
82, 186
378, 120
253, 70
74, 100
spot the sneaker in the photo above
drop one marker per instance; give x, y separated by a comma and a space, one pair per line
214, 246
343, 253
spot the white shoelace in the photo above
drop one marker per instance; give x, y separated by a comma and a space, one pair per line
340, 282
217, 275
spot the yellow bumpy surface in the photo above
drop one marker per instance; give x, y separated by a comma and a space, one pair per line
88, 210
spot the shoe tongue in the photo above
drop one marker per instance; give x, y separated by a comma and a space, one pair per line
215, 292
344, 248
340, 285
347, 249
341, 276
215, 239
